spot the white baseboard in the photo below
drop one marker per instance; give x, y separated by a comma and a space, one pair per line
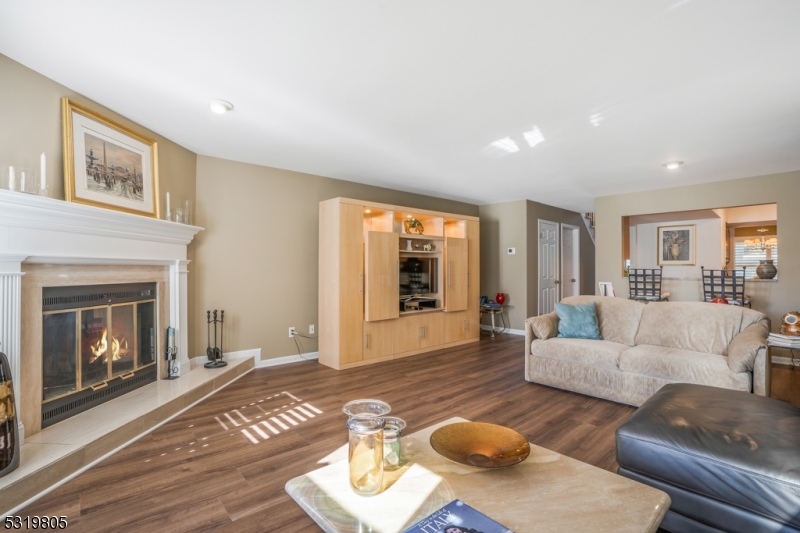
286, 360
498, 329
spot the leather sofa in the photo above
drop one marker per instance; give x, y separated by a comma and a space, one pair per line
730, 461
647, 346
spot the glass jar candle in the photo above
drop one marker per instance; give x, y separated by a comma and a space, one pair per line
391, 442
366, 455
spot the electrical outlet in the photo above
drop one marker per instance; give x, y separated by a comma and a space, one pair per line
311, 329
512, 251
292, 332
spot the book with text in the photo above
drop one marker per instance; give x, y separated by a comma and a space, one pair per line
457, 517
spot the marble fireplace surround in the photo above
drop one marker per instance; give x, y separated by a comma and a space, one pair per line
49, 242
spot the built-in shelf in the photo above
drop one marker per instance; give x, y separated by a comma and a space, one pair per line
414, 252
421, 311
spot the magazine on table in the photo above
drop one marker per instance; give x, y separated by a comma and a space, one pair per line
457, 517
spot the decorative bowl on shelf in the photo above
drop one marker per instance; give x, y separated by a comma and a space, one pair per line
480, 444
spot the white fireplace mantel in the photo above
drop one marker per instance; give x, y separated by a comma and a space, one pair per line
37, 229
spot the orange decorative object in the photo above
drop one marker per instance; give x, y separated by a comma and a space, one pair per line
719, 301
480, 444
790, 323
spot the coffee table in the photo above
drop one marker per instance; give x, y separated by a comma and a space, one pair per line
547, 492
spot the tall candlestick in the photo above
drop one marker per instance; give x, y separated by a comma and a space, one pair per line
11, 179
22, 181
168, 213
43, 178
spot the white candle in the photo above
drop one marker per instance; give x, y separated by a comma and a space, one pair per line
44, 173
22, 182
11, 179
168, 213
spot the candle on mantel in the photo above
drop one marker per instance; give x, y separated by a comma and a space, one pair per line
11, 179
44, 173
168, 213
22, 182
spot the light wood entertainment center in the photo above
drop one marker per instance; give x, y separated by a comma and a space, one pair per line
363, 261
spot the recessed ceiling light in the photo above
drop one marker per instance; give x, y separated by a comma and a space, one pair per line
220, 106
672, 165
367, 210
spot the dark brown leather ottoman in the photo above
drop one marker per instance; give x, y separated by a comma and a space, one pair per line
729, 460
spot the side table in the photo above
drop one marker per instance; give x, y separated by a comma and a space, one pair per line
493, 311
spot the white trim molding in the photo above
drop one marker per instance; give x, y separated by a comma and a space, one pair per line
10, 313
276, 361
499, 330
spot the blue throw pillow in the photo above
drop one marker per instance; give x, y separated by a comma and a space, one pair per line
578, 321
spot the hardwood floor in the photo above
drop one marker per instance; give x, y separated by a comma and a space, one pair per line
200, 472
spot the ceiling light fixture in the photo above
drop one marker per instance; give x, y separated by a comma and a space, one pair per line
220, 106
673, 165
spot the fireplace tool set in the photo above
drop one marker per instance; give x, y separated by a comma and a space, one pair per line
215, 354
172, 355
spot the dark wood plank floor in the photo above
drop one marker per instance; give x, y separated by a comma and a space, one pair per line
193, 475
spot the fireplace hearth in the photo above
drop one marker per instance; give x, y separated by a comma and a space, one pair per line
99, 342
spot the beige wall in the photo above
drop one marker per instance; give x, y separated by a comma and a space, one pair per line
773, 298
515, 224
504, 226
258, 258
30, 123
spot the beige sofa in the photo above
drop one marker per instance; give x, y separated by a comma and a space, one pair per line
646, 346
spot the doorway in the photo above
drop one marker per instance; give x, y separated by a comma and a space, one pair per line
570, 261
548, 266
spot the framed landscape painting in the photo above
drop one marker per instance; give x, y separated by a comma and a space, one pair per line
107, 164
676, 245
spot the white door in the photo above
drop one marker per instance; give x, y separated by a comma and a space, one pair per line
548, 266
570, 261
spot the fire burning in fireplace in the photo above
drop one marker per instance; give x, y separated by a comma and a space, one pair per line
119, 347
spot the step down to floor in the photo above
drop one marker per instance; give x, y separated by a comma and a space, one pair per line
59, 451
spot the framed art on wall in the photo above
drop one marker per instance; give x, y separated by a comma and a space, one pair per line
676, 245
107, 164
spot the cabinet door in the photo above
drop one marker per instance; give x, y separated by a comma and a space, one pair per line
432, 326
457, 267
407, 334
455, 326
351, 263
474, 280
382, 292
378, 339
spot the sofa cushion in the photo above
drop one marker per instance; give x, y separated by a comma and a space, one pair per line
682, 365
618, 318
734, 447
695, 326
603, 354
577, 321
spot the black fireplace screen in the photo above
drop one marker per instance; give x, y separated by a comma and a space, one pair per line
93, 335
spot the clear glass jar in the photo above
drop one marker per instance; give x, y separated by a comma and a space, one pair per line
366, 455
366, 408
391, 442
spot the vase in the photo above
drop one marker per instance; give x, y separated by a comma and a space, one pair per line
766, 269
675, 251
500, 298
365, 456
9, 437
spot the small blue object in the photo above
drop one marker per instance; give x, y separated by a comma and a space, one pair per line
578, 321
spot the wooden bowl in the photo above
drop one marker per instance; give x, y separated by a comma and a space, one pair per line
480, 444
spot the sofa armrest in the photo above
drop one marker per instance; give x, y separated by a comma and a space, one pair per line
747, 352
542, 327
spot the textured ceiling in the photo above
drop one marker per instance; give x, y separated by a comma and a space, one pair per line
557, 102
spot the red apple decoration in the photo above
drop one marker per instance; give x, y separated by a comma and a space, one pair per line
500, 298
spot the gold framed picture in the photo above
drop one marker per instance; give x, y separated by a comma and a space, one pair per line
107, 164
676, 245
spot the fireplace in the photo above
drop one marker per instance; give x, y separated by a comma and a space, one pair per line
99, 342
